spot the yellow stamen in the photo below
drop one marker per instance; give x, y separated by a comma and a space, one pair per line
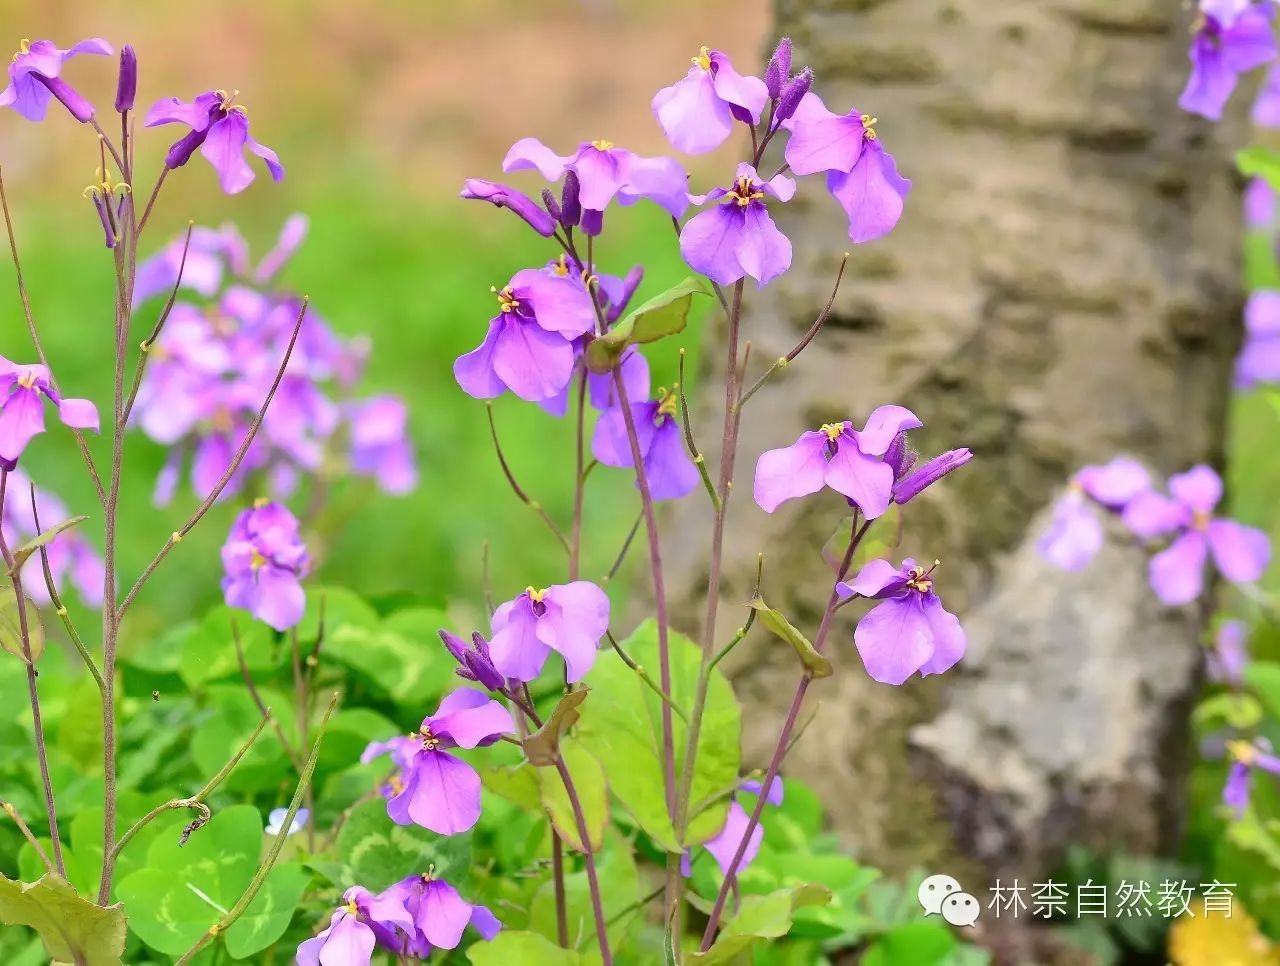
429, 741
221, 420
1200, 520
24, 47
351, 907
703, 60
27, 380
506, 299
833, 430
536, 595
1242, 751
743, 194
602, 145
561, 267
667, 402
396, 783
256, 560
260, 502
919, 580
869, 123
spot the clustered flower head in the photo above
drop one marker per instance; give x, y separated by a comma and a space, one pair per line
215, 361
264, 561
71, 558
1183, 519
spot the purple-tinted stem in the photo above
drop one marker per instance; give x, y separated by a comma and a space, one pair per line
155, 192
784, 737
33, 694
557, 876
588, 855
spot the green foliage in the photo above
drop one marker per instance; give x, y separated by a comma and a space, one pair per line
1261, 162
778, 625
619, 889
526, 948
760, 918
623, 729
11, 623
72, 928
593, 796
666, 313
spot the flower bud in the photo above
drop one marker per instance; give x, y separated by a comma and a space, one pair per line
570, 206
592, 221
910, 486
779, 69
181, 150
549, 202
127, 85
791, 95
71, 99
502, 196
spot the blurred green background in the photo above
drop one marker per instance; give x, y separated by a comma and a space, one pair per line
378, 113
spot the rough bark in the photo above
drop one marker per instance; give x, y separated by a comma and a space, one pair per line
1062, 287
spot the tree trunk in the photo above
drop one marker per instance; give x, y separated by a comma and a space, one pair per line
1062, 288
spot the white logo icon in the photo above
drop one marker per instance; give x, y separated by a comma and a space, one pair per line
942, 895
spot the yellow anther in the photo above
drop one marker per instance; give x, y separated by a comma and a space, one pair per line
833, 430
869, 123
351, 907
506, 299
1242, 751
260, 502
429, 741
602, 145
743, 192
536, 595
24, 47
703, 60
561, 267
27, 380
1200, 520
256, 560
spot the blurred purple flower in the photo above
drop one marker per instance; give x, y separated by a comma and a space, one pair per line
606, 172
1246, 756
355, 929
568, 618
34, 78
667, 464
1259, 204
1075, 534
851, 462
737, 237
264, 561
276, 817
1259, 359
1230, 39
380, 444
909, 630
220, 128
439, 914
70, 556
1226, 660
23, 391
697, 112
440, 791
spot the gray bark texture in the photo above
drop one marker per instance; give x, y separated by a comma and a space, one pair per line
1063, 287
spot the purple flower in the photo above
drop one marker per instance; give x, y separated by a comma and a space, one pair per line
778, 70
1260, 203
606, 172
503, 197
737, 237
439, 914
1176, 573
402, 750
850, 461
910, 482
1259, 359
1246, 757
203, 272
1230, 39
1075, 534
22, 408
276, 817
292, 235
475, 662
909, 631
220, 128
724, 845
1266, 108
264, 561
1227, 659
380, 445
697, 113
70, 555
529, 346
567, 618
355, 929
440, 791
667, 465
34, 77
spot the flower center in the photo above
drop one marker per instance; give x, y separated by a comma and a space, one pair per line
1242, 751
745, 191
602, 145
227, 102
506, 299
921, 580
27, 380
24, 47
221, 420
536, 595
256, 560
351, 907
561, 267
429, 741
103, 187
396, 783
869, 126
833, 430
666, 403
1200, 520
703, 60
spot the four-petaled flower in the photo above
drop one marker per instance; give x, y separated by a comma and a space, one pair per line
34, 77
23, 390
264, 560
1246, 756
439, 914
724, 845
737, 237
220, 129
697, 112
568, 618
357, 926
440, 791
909, 630
1075, 534
851, 462
668, 468
1231, 37
1176, 573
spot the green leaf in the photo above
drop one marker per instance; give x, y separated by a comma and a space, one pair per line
1260, 162
523, 948
518, 784
270, 912
375, 852
11, 625
619, 890
665, 314
209, 653
912, 944
1264, 678
593, 796
232, 718
624, 732
184, 889
761, 917
72, 928
542, 748
817, 665
401, 658
24, 552
1240, 711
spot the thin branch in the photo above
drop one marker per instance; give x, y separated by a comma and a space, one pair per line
9, 809
221, 485
588, 854
630, 662
699, 460
521, 495
622, 554
263, 710
273, 852
745, 629
155, 192
106, 142
39, 346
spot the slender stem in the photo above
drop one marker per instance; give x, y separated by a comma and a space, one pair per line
626, 546
155, 192
106, 142
9, 809
261, 705
783, 745
784, 361
588, 855
518, 490
33, 693
302, 703
221, 485
35, 339
631, 662
273, 851
557, 875
699, 460
579, 480
745, 629
195, 801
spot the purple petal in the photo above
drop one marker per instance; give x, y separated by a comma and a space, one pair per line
194, 114
1235, 793
269, 157
1115, 483
949, 639
894, 639
670, 469
475, 371
692, 115
516, 650
1200, 488
752, 787
610, 443
726, 842
532, 153
281, 600
872, 194
560, 302
78, 413
1177, 573
517, 201
1210, 82
709, 243
1240, 552
1153, 514
1230, 654
1074, 536
742, 90
470, 718
877, 578
224, 149
349, 943
764, 252
823, 141
662, 180
884, 423
21, 418
291, 237
443, 794
443, 916
793, 471
914, 483
534, 364
866, 480
485, 922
